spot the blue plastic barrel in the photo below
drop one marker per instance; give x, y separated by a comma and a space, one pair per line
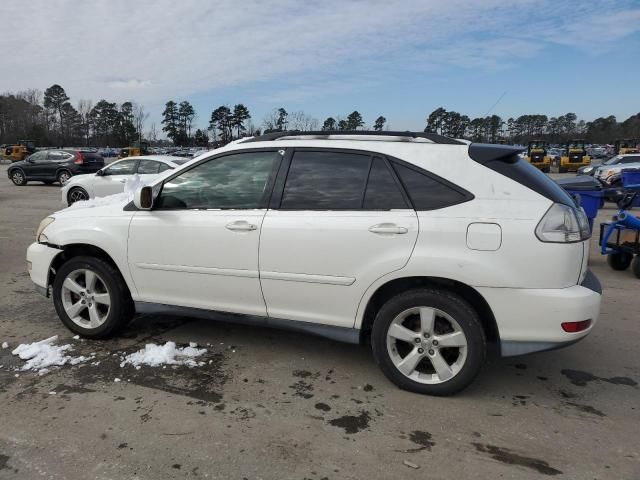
589, 193
631, 181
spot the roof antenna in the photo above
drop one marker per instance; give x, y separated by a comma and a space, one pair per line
494, 105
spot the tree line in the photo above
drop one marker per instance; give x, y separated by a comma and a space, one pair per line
494, 129
51, 119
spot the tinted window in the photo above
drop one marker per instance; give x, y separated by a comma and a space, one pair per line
146, 167
382, 190
233, 181
58, 156
630, 159
39, 156
325, 181
125, 167
425, 192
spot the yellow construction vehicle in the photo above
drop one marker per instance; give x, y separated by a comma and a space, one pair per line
628, 145
537, 155
574, 156
139, 148
20, 151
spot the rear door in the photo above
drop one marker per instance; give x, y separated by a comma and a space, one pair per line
114, 177
339, 221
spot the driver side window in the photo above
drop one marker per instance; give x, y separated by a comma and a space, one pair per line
236, 181
39, 156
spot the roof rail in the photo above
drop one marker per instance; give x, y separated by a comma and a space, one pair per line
433, 137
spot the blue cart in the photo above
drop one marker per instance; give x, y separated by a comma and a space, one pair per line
620, 238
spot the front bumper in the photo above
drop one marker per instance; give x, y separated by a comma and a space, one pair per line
529, 320
39, 258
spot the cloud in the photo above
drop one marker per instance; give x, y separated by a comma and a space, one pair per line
129, 84
152, 50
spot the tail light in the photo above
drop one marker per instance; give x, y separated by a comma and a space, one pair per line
79, 158
563, 224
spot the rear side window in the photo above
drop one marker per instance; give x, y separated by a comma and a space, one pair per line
325, 181
147, 167
383, 192
426, 192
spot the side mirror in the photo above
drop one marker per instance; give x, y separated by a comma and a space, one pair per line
99, 173
143, 198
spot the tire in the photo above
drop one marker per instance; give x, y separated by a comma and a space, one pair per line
635, 266
619, 260
406, 311
76, 194
18, 177
63, 176
93, 317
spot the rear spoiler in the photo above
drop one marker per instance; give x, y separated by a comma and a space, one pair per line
484, 153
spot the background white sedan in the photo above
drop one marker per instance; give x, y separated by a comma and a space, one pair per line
112, 178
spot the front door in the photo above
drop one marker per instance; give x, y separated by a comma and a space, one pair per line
198, 247
342, 223
39, 164
114, 177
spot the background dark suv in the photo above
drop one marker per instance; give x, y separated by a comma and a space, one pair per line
50, 166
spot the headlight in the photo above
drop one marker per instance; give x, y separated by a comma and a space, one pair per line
588, 169
40, 237
563, 224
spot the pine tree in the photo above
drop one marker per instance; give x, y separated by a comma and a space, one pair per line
379, 124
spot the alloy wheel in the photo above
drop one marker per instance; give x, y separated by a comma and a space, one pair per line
77, 194
63, 178
85, 298
17, 177
426, 345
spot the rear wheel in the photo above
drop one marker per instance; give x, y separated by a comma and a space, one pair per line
635, 266
91, 297
18, 178
63, 177
429, 341
619, 260
77, 194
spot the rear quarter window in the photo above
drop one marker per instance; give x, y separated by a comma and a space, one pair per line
427, 191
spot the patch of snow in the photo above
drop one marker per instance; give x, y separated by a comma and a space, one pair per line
5, 345
117, 380
116, 198
167, 354
193, 344
76, 337
43, 354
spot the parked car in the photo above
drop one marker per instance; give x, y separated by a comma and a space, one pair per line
609, 172
112, 178
51, 166
419, 244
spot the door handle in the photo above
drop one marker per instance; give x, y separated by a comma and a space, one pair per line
388, 228
241, 226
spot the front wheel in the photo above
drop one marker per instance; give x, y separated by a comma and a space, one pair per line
77, 194
619, 260
91, 297
18, 178
429, 341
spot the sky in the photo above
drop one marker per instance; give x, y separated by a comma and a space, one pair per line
399, 59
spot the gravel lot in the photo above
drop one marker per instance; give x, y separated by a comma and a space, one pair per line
281, 405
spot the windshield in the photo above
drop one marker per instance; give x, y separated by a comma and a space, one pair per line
613, 160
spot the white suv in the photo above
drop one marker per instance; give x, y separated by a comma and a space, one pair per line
432, 249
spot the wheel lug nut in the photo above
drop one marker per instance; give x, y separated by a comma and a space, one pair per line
421, 350
435, 343
431, 352
417, 340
